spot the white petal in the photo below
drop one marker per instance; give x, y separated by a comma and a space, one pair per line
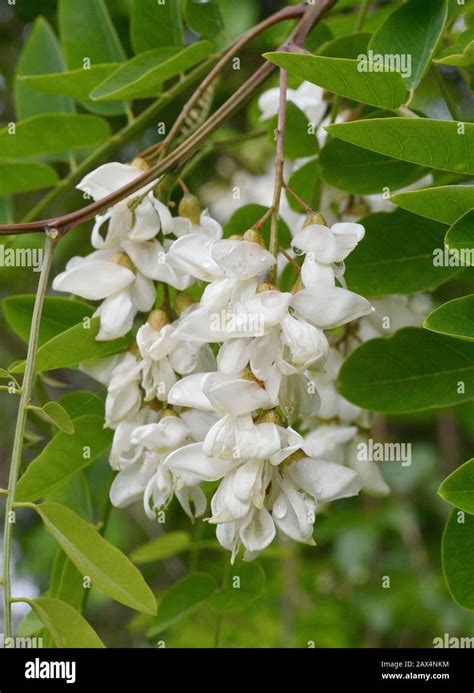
192, 254
241, 259
107, 179
143, 293
188, 392
193, 500
329, 307
233, 395
325, 438
167, 434
94, 280
192, 464
116, 316
233, 356
258, 531
324, 480
314, 273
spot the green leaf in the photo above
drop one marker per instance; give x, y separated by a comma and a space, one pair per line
458, 487
350, 46
144, 75
300, 138
58, 315
88, 34
251, 585
63, 457
412, 371
396, 256
80, 402
414, 30
22, 176
181, 599
436, 144
162, 547
204, 17
460, 53
346, 23
66, 581
75, 494
342, 76
458, 558
55, 414
44, 135
155, 25
40, 55
306, 183
364, 172
73, 346
454, 318
460, 238
248, 215
109, 569
445, 203
76, 83
68, 628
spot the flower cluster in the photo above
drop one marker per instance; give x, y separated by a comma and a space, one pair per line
232, 391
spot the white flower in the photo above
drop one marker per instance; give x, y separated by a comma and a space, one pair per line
134, 463
123, 393
171, 432
304, 483
394, 312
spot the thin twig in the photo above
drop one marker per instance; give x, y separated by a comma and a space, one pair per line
279, 163
179, 155
20, 429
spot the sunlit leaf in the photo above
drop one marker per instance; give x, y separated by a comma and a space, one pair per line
108, 568
63, 457
68, 628
144, 75
44, 135
458, 487
343, 76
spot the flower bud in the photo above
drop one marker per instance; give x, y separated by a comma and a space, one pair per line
254, 236
169, 412
247, 374
157, 319
140, 163
270, 416
266, 286
190, 207
297, 286
294, 457
155, 404
182, 301
235, 237
133, 349
123, 260
314, 218
357, 209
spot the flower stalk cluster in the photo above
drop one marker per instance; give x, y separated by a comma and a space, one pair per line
214, 390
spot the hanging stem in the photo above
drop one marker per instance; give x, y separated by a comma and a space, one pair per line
181, 154
287, 13
20, 428
279, 163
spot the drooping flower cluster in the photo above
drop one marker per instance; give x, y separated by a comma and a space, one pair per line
213, 390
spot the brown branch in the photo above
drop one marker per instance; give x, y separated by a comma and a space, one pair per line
65, 223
